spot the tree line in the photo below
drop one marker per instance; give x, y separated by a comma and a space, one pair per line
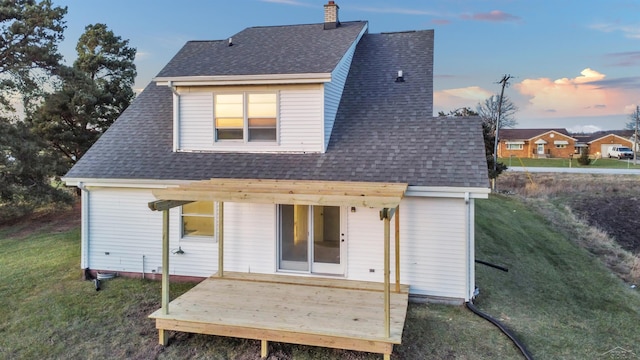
52, 112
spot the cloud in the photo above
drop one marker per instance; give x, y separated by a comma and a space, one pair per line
450, 99
142, 55
629, 58
401, 11
288, 2
492, 16
441, 22
629, 31
583, 95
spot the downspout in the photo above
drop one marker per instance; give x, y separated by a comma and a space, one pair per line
470, 250
176, 116
84, 216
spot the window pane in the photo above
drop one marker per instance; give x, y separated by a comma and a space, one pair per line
229, 134
197, 225
262, 134
295, 232
229, 123
229, 106
262, 122
198, 207
262, 105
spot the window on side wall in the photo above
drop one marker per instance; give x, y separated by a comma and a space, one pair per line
247, 117
514, 146
198, 220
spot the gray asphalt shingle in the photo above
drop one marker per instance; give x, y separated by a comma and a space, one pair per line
384, 131
293, 49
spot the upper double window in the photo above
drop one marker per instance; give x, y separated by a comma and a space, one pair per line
246, 117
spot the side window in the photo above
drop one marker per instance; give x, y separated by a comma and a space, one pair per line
198, 219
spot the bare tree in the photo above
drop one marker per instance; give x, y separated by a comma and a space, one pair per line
488, 111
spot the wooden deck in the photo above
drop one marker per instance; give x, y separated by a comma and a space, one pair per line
325, 312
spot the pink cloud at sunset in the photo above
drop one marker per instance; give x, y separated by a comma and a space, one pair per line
450, 99
579, 96
492, 16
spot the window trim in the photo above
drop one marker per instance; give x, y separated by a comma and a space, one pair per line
200, 238
245, 119
509, 146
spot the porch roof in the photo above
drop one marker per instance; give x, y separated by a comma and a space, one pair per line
299, 192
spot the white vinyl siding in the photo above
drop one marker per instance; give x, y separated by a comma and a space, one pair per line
333, 90
249, 237
433, 241
122, 230
299, 124
301, 120
432, 246
196, 121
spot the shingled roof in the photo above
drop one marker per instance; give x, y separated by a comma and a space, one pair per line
384, 131
293, 49
526, 134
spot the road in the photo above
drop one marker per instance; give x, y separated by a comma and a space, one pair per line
580, 170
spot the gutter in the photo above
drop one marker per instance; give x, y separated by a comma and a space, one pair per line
176, 116
470, 247
85, 223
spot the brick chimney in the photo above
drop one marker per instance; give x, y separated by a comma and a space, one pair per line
331, 15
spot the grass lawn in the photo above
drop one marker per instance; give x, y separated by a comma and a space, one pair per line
555, 162
558, 299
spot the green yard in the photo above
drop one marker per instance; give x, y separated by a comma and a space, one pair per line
598, 163
558, 299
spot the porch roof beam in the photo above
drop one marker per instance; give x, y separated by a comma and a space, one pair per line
298, 192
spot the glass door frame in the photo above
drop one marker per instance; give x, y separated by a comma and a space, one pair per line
311, 266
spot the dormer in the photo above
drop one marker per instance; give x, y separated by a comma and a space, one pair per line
264, 89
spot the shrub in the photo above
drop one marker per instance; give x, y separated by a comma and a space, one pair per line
584, 158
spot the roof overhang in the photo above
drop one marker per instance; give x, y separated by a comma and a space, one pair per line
540, 141
515, 142
261, 79
298, 192
561, 142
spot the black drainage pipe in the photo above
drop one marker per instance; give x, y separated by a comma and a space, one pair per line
502, 328
492, 265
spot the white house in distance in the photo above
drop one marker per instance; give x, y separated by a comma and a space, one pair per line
274, 155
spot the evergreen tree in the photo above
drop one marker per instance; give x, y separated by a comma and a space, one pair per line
91, 96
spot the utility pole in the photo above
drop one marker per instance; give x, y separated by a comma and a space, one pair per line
505, 82
635, 136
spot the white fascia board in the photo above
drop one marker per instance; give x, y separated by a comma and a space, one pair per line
124, 183
263, 79
448, 192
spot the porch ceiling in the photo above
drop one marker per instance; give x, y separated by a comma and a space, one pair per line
299, 192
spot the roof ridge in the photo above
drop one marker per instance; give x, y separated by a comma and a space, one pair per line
309, 24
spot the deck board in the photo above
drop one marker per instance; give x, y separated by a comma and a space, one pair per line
304, 310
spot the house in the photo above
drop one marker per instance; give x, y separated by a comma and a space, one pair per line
536, 143
599, 143
299, 173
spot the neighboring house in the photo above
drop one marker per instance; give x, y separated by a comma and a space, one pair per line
536, 143
599, 143
278, 152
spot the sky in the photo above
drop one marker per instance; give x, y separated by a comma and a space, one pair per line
575, 64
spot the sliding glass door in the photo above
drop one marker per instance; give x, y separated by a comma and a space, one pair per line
311, 239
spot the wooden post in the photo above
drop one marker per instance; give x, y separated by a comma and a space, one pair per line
387, 251
397, 236
163, 336
165, 262
264, 349
220, 239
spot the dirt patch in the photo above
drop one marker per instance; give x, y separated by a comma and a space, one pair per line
609, 204
617, 215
